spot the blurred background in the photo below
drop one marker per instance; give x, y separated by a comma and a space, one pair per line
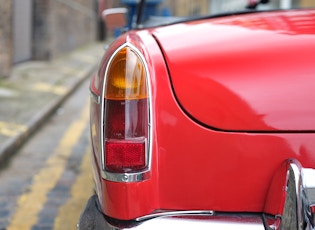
45, 29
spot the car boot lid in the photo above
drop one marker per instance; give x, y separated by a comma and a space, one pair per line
254, 73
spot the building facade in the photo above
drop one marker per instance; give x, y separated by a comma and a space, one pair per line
5, 37
43, 29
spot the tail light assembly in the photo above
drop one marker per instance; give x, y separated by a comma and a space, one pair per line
126, 133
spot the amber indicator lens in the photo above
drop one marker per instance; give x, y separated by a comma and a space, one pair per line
126, 78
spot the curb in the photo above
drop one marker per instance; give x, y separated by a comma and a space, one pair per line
8, 149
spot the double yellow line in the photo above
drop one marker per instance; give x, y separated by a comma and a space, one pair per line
31, 202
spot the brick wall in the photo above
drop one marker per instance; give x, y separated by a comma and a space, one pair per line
308, 3
61, 26
187, 7
74, 24
5, 37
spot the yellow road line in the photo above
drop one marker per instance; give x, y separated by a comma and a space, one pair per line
11, 129
69, 70
30, 203
87, 59
81, 191
44, 87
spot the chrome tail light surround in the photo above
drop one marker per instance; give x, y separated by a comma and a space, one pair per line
144, 173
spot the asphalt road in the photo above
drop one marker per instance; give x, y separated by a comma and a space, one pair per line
48, 181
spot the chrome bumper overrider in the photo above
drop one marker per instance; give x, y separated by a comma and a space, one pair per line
290, 204
291, 198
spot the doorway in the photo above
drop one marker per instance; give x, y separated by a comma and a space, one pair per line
22, 30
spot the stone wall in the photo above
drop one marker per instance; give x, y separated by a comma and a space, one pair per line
5, 37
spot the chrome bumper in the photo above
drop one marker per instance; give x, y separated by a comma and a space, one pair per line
290, 204
91, 218
216, 222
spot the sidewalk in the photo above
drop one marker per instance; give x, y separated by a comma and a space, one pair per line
36, 89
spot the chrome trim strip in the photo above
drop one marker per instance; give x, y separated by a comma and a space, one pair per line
128, 177
176, 213
96, 98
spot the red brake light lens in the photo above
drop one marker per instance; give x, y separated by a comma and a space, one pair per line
125, 114
122, 156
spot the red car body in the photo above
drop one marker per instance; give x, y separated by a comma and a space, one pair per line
231, 118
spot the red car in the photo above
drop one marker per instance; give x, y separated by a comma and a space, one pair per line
206, 123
